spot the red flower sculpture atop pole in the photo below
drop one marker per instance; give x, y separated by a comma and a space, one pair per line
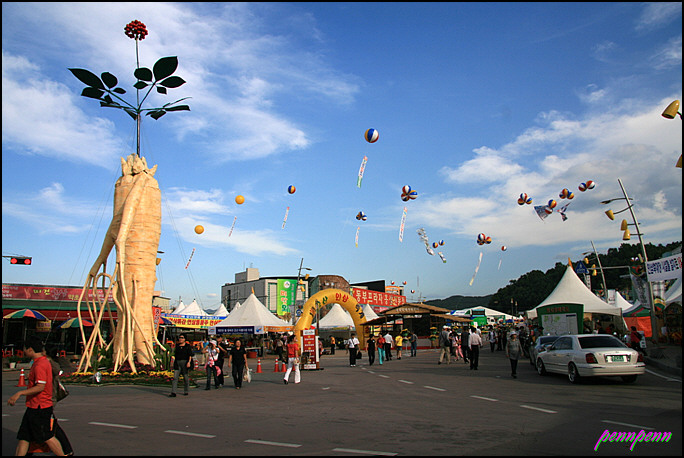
135, 30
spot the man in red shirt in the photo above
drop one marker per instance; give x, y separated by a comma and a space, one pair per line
36, 424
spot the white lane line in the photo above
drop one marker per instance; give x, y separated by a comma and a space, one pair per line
406, 381
183, 433
277, 444
626, 424
364, 452
383, 376
113, 425
669, 379
371, 372
325, 388
484, 398
537, 409
433, 388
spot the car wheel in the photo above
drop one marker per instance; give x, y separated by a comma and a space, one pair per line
573, 375
629, 378
541, 370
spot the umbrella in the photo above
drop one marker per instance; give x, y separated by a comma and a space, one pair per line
25, 313
74, 323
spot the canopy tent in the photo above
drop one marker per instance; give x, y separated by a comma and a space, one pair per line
622, 303
193, 309
337, 319
179, 310
489, 313
369, 313
250, 318
572, 290
674, 293
222, 311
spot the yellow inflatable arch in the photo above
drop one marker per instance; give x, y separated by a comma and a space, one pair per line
332, 296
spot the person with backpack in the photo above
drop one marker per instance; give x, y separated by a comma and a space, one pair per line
635, 340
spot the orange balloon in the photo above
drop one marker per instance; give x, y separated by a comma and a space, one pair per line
240, 200
199, 229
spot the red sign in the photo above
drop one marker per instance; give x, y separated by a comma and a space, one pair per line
48, 293
364, 296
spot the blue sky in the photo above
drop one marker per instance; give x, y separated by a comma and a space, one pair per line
475, 103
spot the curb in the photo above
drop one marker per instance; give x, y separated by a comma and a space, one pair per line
663, 367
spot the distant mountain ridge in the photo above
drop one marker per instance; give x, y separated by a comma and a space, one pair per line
459, 302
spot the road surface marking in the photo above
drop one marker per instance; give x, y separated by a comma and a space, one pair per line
433, 388
406, 381
277, 444
626, 424
538, 409
113, 425
383, 376
325, 388
371, 372
208, 436
669, 379
486, 399
365, 452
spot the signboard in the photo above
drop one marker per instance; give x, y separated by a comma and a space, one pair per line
561, 319
660, 269
286, 295
580, 268
43, 325
190, 321
310, 347
377, 298
49, 293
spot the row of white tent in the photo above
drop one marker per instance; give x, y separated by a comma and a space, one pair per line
193, 309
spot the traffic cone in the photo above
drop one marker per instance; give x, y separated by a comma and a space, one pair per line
275, 368
283, 367
22, 380
258, 370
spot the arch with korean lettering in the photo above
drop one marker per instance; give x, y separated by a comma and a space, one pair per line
331, 296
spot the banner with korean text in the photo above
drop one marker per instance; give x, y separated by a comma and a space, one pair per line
665, 268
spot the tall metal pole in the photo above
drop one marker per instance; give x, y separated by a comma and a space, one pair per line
654, 326
603, 277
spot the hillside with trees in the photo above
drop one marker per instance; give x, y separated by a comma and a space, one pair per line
532, 288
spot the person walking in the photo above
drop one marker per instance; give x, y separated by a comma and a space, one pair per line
635, 340
212, 369
223, 350
370, 349
513, 352
444, 345
388, 346
292, 349
381, 348
399, 340
474, 343
237, 359
492, 339
332, 345
456, 342
353, 347
414, 344
35, 425
279, 347
464, 345
181, 361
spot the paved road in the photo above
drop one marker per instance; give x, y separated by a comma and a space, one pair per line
407, 407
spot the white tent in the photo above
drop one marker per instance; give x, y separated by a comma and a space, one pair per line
369, 313
489, 313
337, 319
222, 311
572, 290
250, 318
674, 293
621, 302
193, 309
179, 309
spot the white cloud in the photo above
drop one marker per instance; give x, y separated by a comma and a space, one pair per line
658, 14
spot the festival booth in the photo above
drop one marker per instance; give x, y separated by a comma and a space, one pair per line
337, 323
190, 320
639, 316
673, 312
251, 319
572, 308
484, 315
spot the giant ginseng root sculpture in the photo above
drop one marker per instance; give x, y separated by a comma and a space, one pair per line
136, 224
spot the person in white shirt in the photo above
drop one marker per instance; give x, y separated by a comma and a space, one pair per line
353, 346
388, 346
474, 343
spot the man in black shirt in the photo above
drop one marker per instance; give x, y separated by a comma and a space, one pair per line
181, 361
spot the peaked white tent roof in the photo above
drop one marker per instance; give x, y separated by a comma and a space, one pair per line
253, 313
222, 311
193, 309
572, 290
337, 318
488, 312
369, 313
179, 309
621, 302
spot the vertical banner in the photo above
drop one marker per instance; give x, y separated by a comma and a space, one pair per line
361, 170
156, 313
286, 295
403, 221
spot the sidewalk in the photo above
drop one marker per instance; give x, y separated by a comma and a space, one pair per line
665, 357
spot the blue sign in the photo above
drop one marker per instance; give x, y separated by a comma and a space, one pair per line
580, 268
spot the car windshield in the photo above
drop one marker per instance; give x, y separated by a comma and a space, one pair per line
548, 340
600, 342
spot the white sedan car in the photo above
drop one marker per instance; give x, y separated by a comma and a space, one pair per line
591, 355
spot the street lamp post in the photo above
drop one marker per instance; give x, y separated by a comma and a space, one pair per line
627, 236
603, 277
294, 311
